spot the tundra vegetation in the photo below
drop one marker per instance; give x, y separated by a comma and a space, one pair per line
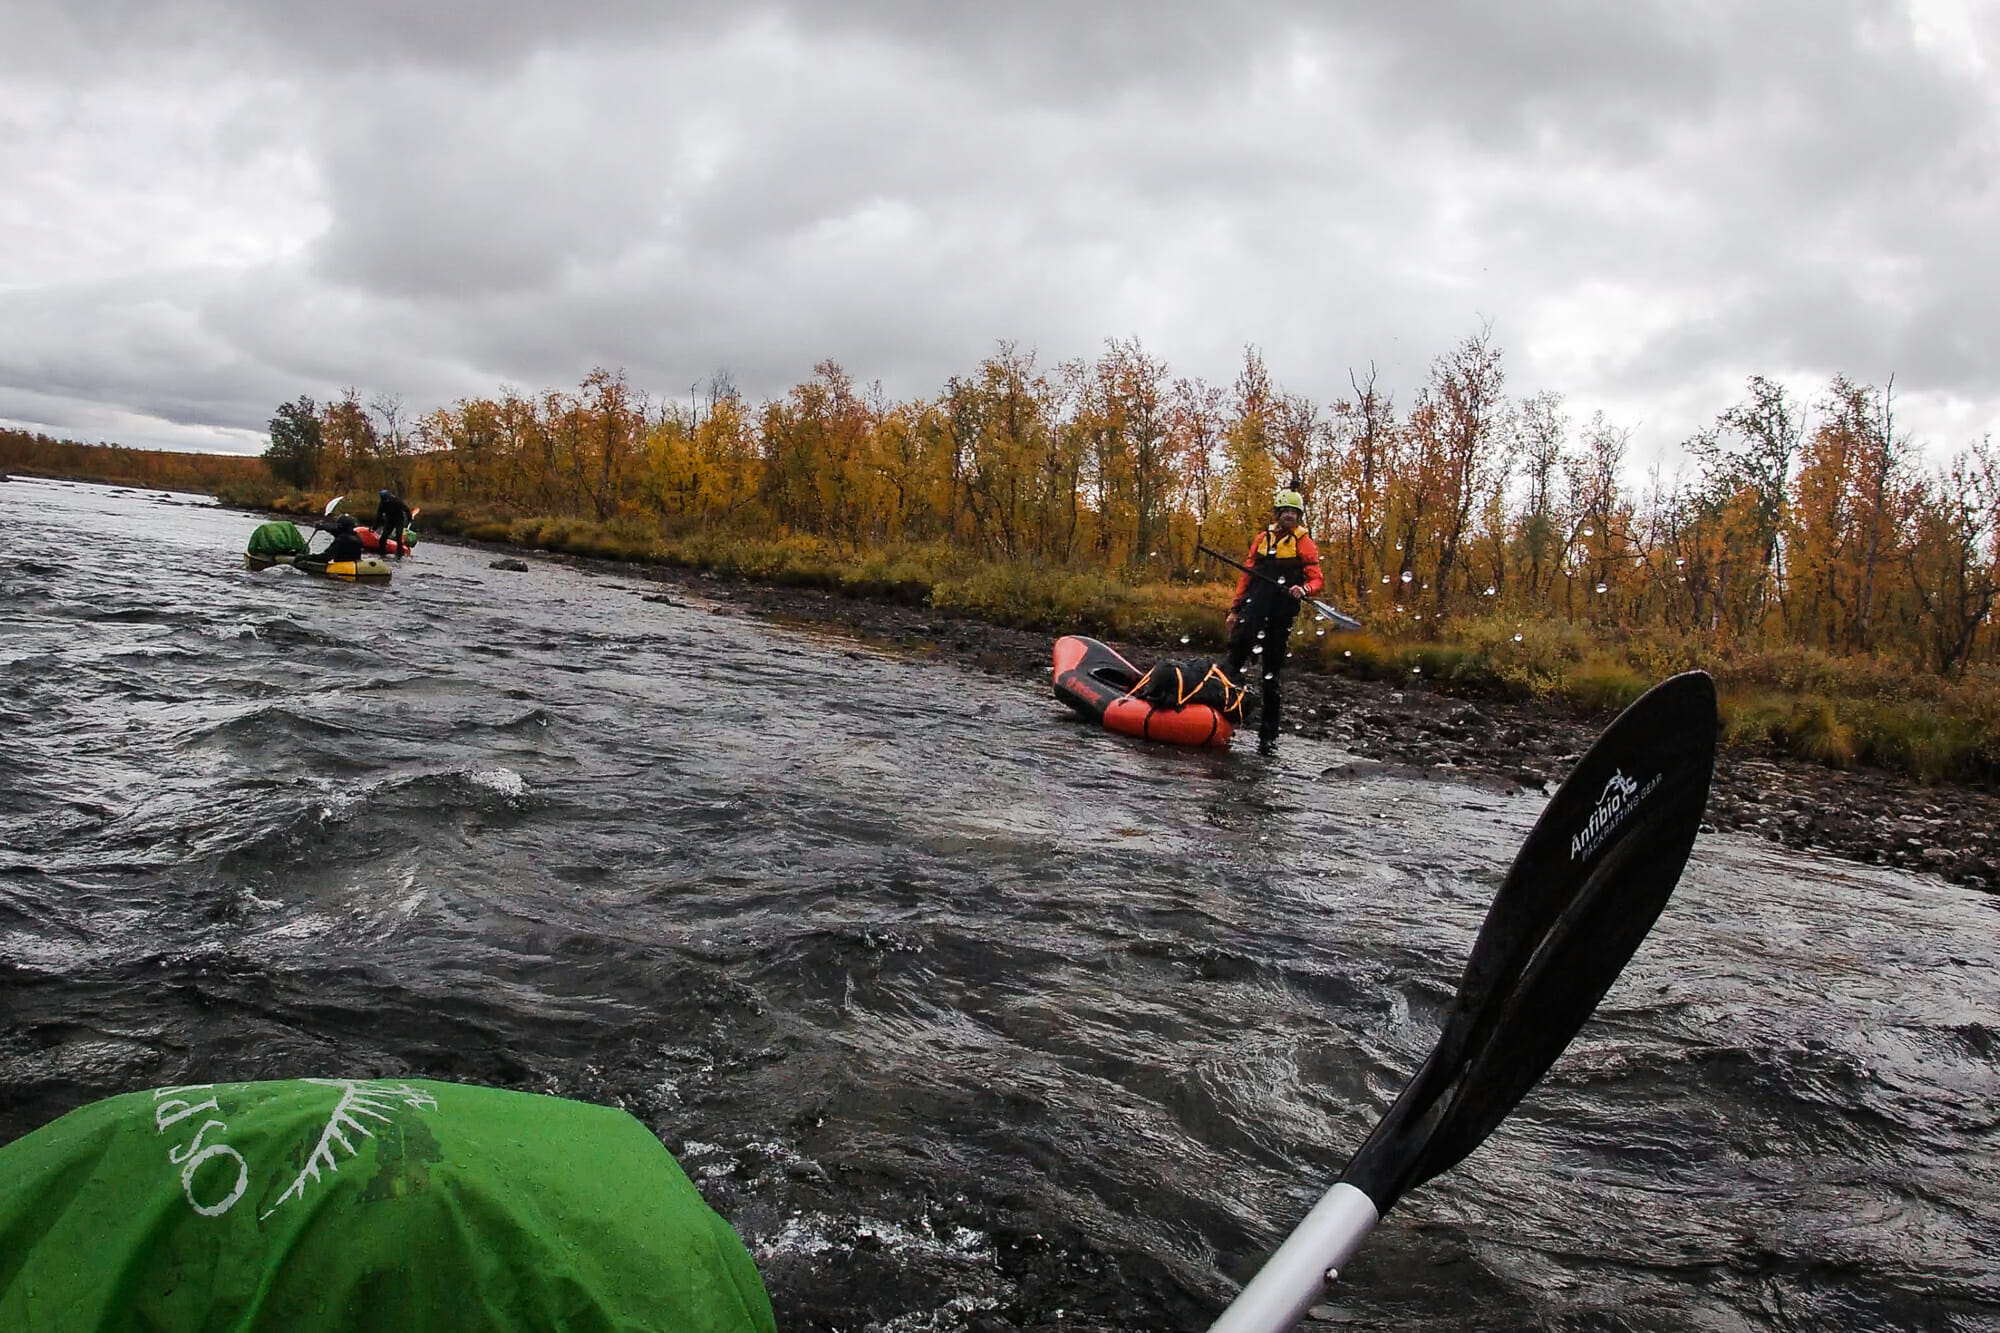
1838, 579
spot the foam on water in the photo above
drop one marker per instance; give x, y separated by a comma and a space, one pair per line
503, 780
966, 1017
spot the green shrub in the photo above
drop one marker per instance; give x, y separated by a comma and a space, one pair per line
1603, 686
1929, 742
1361, 655
1455, 668
1815, 732
1754, 720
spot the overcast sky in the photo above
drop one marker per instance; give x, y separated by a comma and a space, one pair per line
209, 208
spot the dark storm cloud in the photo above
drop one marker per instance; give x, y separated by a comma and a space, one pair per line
1052, 47
445, 186
162, 361
1614, 78
236, 201
314, 39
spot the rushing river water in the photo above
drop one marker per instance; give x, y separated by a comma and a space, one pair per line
966, 1015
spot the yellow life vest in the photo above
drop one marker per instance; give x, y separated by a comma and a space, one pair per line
1271, 546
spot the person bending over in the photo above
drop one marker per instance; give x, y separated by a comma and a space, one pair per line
392, 520
1284, 568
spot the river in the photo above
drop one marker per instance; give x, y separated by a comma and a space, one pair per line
966, 1015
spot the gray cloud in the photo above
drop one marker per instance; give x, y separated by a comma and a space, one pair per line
234, 202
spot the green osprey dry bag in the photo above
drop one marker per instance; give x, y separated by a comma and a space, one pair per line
339, 1205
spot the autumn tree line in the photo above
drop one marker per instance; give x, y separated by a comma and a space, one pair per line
32, 453
1806, 521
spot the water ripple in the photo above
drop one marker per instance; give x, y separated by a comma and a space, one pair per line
966, 1017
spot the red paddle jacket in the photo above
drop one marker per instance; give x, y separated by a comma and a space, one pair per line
1293, 558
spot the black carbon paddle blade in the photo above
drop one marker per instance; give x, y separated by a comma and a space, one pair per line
1593, 876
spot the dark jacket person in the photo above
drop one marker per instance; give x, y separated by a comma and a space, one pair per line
346, 546
392, 519
1284, 564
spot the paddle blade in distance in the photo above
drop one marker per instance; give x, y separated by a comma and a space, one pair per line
1593, 876
1340, 619
332, 505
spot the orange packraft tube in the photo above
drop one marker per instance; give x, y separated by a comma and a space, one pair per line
372, 541
1097, 683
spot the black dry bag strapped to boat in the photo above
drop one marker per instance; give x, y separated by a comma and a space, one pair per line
1173, 684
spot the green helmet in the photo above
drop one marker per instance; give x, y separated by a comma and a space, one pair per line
1289, 500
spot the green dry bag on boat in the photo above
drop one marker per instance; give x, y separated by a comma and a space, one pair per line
275, 539
340, 1205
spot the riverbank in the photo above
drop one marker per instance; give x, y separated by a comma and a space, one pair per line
1386, 713
1873, 710
1858, 814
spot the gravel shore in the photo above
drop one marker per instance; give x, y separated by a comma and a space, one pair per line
1858, 814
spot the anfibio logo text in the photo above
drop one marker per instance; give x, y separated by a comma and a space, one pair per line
1620, 795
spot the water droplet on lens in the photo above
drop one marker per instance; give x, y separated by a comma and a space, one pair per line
1258, 649
1407, 576
1590, 532
1270, 675
1184, 638
1347, 652
1322, 634
1604, 587
1416, 671
1385, 578
1517, 638
1260, 634
1491, 590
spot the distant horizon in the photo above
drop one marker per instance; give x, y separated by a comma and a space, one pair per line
1928, 451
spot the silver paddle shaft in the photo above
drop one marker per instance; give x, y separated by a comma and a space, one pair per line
1293, 1278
